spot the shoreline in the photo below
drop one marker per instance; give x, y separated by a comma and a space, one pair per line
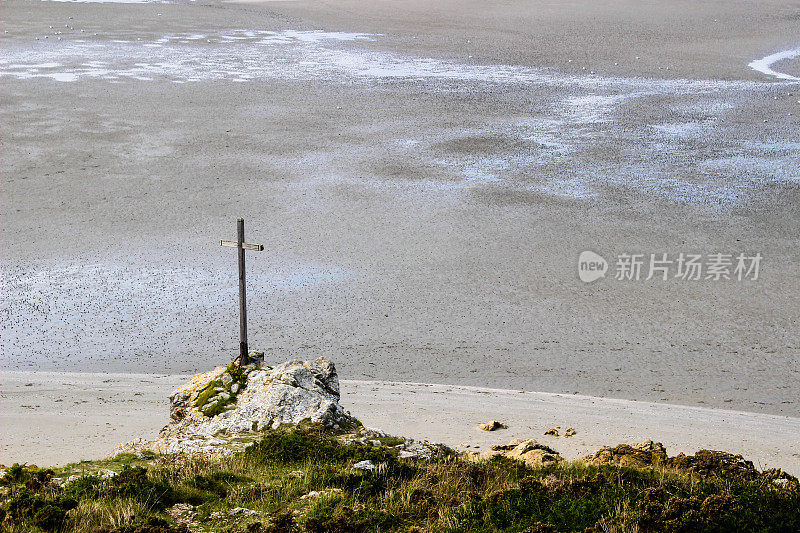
41, 427
764, 65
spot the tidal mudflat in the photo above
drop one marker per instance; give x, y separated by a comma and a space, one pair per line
423, 178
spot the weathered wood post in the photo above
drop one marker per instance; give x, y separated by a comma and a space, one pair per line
241, 246
243, 358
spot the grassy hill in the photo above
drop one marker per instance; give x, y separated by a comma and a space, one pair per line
302, 479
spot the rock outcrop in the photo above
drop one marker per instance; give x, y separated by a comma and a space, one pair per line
211, 407
638, 455
709, 463
290, 392
703, 464
529, 451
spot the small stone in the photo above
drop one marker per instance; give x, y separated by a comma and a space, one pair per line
364, 465
492, 425
234, 388
552, 431
569, 432
226, 379
224, 396
375, 442
318, 493
243, 511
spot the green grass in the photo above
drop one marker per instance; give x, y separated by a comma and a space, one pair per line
445, 494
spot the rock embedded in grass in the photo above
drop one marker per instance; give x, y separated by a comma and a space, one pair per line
528, 451
364, 465
314, 494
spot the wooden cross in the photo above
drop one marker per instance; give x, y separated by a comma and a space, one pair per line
242, 246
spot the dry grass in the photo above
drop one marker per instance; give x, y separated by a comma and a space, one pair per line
92, 515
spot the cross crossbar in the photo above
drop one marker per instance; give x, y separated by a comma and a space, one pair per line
245, 245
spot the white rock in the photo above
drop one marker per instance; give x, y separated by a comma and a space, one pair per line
287, 394
364, 465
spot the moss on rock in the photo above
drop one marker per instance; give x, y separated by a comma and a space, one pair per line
221, 393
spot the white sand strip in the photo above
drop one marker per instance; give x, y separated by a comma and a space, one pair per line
765, 64
448, 414
54, 418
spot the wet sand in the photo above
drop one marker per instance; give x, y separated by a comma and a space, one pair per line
423, 190
55, 418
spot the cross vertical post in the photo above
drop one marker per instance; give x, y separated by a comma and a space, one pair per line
243, 357
241, 246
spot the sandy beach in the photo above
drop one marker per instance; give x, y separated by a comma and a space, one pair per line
56, 418
424, 178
